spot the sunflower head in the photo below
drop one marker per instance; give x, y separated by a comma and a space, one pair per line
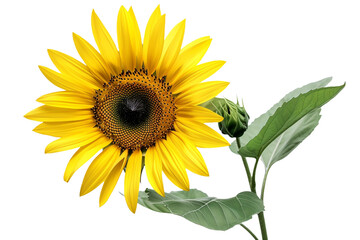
136, 103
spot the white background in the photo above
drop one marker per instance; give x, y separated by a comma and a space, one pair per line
271, 47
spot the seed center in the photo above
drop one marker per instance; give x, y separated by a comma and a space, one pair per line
133, 111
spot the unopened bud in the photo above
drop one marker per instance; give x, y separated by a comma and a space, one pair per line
235, 117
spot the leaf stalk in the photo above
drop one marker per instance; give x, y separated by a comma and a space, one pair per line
244, 162
249, 231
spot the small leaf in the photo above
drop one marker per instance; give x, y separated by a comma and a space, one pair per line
290, 139
286, 116
209, 212
255, 127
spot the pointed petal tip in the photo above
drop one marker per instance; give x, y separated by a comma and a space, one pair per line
47, 150
67, 177
204, 171
132, 207
123, 9
160, 192
222, 62
82, 191
94, 16
75, 36
101, 202
50, 148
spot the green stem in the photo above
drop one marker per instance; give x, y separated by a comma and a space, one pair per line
263, 185
262, 226
249, 231
260, 215
244, 162
249, 180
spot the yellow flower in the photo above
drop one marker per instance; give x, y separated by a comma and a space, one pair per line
137, 105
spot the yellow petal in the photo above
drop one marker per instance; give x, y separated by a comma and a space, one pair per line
92, 59
100, 168
135, 36
198, 113
190, 155
112, 179
154, 40
200, 93
78, 71
60, 129
54, 114
196, 75
172, 163
65, 81
132, 179
172, 46
192, 53
74, 100
153, 168
149, 27
105, 44
189, 57
73, 141
128, 58
84, 154
200, 134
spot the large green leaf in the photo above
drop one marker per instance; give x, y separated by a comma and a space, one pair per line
286, 116
255, 127
290, 139
209, 212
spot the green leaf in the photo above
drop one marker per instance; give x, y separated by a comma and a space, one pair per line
290, 139
209, 212
286, 116
255, 127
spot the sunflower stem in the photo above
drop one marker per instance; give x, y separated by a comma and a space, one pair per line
252, 184
261, 216
244, 162
249, 231
262, 226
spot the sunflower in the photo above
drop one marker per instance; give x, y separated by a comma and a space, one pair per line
138, 105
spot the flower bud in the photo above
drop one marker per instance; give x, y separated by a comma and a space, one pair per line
235, 117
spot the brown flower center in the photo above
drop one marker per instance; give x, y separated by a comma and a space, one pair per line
135, 109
